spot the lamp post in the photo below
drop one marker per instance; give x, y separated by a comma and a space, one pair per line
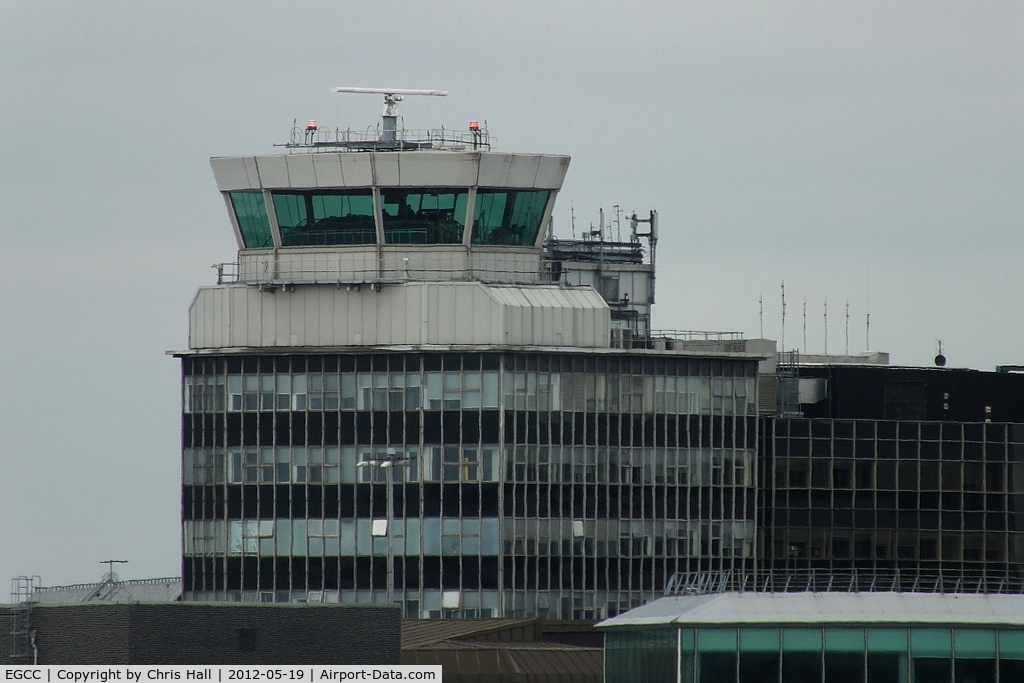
388, 462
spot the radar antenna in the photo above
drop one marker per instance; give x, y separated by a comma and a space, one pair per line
392, 96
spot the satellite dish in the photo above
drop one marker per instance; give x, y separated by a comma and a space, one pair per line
940, 360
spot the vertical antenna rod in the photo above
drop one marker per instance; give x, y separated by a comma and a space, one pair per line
782, 337
805, 325
847, 327
826, 326
760, 305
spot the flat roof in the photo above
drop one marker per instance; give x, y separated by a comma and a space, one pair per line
758, 608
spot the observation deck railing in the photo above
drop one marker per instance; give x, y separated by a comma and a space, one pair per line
337, 139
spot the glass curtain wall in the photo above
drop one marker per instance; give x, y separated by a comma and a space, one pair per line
565, 485
934, 499
808, 654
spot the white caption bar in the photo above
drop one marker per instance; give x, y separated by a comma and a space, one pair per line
218, 674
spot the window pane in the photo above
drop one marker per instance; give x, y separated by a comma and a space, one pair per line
427, 216
798, 666
318, 218
758, 667
251, 214
1011, 645
844, 666
801, 639
975, 643
930, 642
887, 667
844, 639
932, 669
887, 640
716, 667
1011, 670
508, 216
714, 639
759, 639
976, 670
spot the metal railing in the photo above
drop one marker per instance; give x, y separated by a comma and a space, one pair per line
347, 139
698, 335
842, 581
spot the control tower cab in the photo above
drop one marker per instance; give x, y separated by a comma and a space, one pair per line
392, 237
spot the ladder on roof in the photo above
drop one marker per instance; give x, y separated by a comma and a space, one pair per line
23, 590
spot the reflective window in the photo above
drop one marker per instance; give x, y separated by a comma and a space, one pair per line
321, 218
251, 213
642, 656
508, 216
424, 216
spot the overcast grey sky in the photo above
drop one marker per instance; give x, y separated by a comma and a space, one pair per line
866, 152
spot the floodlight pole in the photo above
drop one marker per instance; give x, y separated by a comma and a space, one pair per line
388, 462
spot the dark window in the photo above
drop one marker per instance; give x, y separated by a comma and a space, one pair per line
905, 400
325, 217
427, 216
246, 640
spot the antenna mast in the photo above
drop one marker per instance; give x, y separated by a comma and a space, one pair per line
826, 326
782, 337
111, 576
805, 325
392, 96
847, 327
760, 304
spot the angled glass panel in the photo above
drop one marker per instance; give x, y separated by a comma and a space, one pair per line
930, 642
759, 639
1011, 645
974, 643
509, 217
801, 639
844, 639
317, 218
887, 640
251, 213
424, 216
716, 639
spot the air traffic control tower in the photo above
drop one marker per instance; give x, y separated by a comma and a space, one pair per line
406, 391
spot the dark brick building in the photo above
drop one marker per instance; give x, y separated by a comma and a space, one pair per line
183, 633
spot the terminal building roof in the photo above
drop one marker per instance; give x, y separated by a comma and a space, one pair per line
761, 608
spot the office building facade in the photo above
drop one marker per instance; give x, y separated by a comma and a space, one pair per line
917, 470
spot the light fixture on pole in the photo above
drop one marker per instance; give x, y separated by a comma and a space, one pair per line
388, 462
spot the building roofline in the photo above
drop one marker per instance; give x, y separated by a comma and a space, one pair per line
456, 348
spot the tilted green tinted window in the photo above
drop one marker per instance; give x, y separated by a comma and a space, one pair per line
931, 642
251, 214
801, 639
423, 216
759, 639
974, 643
1011, 644
887, 640
508, 216
325, 218
844, 639
716, 639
